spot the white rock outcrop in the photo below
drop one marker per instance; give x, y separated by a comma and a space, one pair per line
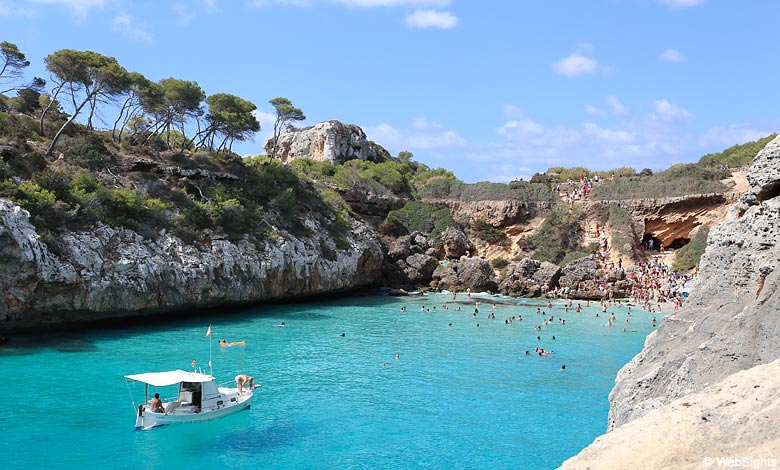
329, 141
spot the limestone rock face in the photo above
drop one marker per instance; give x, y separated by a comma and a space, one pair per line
109, 272
419, 268
472, 273
456, 243
732, 418
329, 141
410, 261
730, 321
529, 277
501, 213
674, 218
579, 270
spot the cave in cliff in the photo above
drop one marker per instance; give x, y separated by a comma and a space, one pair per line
673, 234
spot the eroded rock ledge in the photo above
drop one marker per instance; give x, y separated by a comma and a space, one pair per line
107, 272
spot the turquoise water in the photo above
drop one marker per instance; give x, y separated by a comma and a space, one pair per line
460, 396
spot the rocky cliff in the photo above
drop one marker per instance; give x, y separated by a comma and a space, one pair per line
108, 272
729, 324
731, 423
330, 141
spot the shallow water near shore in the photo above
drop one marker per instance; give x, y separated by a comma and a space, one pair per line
460, 396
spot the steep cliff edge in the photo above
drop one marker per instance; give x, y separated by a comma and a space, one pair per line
732, 420
730, 324
108, 272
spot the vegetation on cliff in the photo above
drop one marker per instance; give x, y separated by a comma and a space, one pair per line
688, 257
166, 163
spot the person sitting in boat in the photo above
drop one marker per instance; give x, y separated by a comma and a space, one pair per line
243, 379
224, 343
157, 405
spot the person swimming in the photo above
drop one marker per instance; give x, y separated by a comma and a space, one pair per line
224, 343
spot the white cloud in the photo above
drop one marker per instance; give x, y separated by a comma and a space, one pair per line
80, 7
127, 26
733, 134
394, 3
577, 63
616, 106
594, 110
520, 129
671, 55
15, 10
512, 111
681, 3
420, 135
354, 3
184, 12
670, 112
608, 135
431, 19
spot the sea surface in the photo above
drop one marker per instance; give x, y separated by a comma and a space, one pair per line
458, 397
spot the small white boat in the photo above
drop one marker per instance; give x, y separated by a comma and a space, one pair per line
198, 398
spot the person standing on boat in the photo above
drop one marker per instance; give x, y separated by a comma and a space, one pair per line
157, 406
243, 379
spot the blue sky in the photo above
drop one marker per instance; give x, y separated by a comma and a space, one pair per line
492, 90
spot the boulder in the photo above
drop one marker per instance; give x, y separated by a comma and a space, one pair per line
530, 277
473, 273
329, 141
547, 274
456, 243
582, 269
399, 248
419, 269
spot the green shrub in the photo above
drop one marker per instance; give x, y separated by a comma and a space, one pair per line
737, 155
443, 188
85, 150
380, 178
558, 236
487, 232
313, 168
34, 198
430, 219
688, 257
499, 263
327, 253
18, 127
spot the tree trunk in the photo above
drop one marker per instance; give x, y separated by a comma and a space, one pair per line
59, 132
52, 100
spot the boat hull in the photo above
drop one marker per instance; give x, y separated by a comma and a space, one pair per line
149, 420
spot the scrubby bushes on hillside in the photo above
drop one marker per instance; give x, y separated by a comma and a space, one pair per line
445, 188
688, 257
737, 155
559, 238
430, 219
679, 180
486, 232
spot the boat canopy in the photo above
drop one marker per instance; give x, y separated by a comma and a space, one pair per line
161, 379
